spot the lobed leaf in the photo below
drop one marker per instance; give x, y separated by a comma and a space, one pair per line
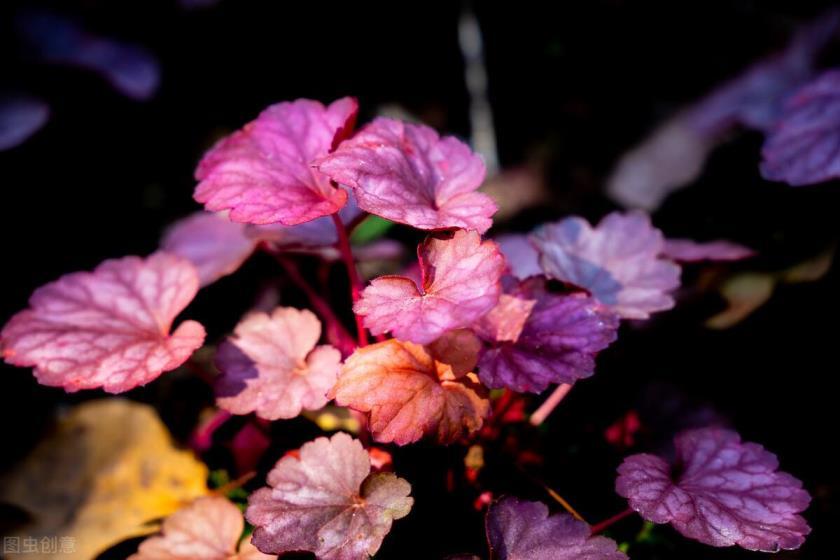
263, 173
108, 328
722, 492
409, 394
520, 530
460, 283
553, 339
327, 502
406, 173
272, 366
618, 261
207, 529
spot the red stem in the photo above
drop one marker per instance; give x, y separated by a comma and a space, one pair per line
346, 251
336, 333
539, 415
603, 525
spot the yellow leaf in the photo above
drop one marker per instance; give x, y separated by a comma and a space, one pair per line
108, 473
744, 293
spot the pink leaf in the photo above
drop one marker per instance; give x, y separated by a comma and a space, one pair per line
722, 492
215, 245
327, 502
409, 394
263, 173
460, 284
408, 174
108, 328
617, 261
802, 149
520, 530
207, 529
271, 365
316, 237
556, 342
686, 250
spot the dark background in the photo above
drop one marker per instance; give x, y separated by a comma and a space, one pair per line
578, 83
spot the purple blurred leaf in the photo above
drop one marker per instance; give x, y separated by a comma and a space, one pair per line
130, 69
721, 492
804, 148
687, 250
521, 256
20, 118
520, 530
673, 155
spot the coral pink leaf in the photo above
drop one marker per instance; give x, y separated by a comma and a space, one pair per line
617, 261
520, 530
207, 529
722, 492
686, 250
408, 174
108, 328
459, 349
215, 245
504, 323
271, 365
263, 173
327, 502
557, 342
461, 282
409, 394
802, 149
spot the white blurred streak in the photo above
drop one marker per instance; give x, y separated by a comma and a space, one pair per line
483, 131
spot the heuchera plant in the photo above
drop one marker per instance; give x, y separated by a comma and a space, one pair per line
520, 313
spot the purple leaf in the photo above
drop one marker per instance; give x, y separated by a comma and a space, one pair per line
558, 341
721, 492
520, 530
215, 245
408, 174
805, 147
617, 261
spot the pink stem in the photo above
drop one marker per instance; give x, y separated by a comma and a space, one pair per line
603, 525
539, 415
202, 438
336, 333
352, 274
